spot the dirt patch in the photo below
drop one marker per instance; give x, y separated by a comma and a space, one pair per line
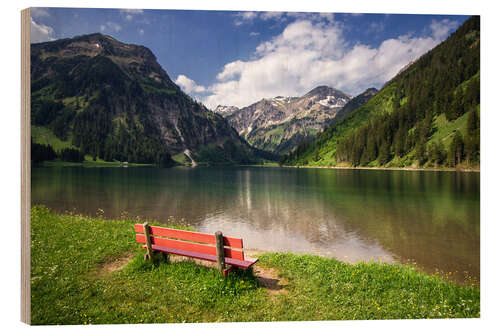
269, 279
114, 264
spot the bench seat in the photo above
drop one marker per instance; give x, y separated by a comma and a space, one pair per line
209, 257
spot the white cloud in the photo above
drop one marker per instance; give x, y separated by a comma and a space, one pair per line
328, 16
244, 17
188, 85
250, 17
140, 31
39, 12
40, 32
311, 53
441, 29
110, 27
270, 15
132, 11
254, 34
128, 14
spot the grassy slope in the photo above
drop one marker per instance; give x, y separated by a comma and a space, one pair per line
43, 135
68, 285
382, 102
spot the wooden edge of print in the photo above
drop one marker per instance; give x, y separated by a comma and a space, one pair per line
25, 168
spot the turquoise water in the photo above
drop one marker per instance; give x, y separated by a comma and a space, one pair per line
429, 218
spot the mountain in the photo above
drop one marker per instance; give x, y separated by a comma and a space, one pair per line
279, 124
225, 110
355, 103
113, 101
426, 116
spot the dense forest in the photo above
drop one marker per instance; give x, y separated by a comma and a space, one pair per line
442, 88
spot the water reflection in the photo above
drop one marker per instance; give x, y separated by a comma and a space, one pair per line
431, 218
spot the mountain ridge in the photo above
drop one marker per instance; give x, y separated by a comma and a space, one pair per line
279, 124
114, 101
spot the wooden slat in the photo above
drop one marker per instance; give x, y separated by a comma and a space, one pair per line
235, 254
190, 236
208, 257
176, 244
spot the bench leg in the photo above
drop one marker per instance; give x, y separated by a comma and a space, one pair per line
226, 271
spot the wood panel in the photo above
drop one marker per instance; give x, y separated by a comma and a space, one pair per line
190, 236
193, 247
208, 257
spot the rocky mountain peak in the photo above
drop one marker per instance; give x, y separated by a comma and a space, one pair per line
225, 110
279, 124
370, 91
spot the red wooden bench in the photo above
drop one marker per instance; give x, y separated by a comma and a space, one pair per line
226, 251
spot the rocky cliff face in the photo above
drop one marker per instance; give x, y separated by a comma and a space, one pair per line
113, 100
279, 124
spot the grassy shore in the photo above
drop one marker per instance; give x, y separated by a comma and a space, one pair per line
90, 271
89, 163
384, 168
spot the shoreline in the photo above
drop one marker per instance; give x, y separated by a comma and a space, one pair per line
112, 283
380, 168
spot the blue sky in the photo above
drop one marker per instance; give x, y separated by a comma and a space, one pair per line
237, 58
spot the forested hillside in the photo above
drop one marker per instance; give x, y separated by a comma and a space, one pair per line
427, 116
113, 101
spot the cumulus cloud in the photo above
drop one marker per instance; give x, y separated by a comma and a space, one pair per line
188, 85
250, 17
307, 54
441, 29
110, 27
40, 32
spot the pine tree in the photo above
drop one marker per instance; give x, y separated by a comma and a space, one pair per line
421, 153
456, 151
384, 153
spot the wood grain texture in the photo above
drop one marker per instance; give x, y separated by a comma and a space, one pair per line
187, 246
219, 247
25, 167
190, 236
229, 261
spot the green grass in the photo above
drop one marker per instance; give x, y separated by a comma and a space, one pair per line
90, 163
445, 129
69, 284
327, 140
182, 159
43, 135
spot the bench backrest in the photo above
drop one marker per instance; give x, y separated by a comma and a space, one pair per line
190, 241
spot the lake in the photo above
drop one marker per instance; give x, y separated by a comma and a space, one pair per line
430, 218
